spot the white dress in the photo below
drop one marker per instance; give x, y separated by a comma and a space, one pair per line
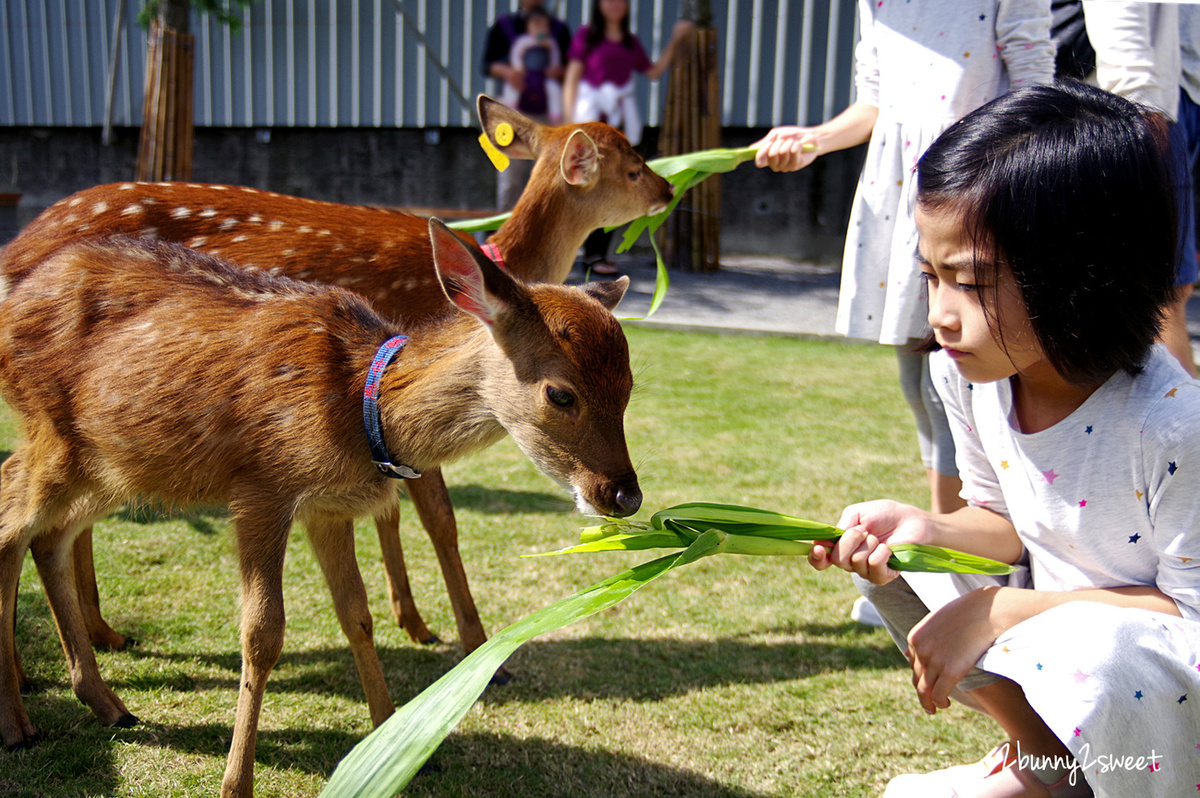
1107, 497
925, 65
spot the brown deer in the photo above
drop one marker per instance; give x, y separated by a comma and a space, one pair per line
148, 368
584, 176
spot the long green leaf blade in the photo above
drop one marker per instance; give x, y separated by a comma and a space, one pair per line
383, 763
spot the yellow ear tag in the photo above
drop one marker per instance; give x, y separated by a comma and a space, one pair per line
504, 134
498, 159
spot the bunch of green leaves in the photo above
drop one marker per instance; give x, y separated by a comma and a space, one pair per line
225, 11
389, 757
747, 530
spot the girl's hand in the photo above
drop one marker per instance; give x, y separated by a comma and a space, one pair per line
869, 528
783, 149
948, 642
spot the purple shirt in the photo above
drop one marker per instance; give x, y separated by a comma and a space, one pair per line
608, 62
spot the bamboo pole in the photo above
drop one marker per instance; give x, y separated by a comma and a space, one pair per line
166, 143
690, 240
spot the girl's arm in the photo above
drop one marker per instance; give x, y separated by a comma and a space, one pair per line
783, 148
682, 28
571, 89
948, 642
869, 528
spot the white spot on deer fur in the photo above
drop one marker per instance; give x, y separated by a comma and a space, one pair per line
275, 225
207, 213
287, 253
228, 224
149, 232
357, 259
219, 188
133, 210
249, 190
181, 213
254, 218
195, 185
304, 229
338, 247
324, 233
72, 218
99, 208
303, 274
275, 271
197, 241
127, 186
240, 239
74, 201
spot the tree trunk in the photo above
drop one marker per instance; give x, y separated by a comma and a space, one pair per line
165, 146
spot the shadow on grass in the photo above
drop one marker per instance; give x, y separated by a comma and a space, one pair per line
492, 501
580, 669
80, 761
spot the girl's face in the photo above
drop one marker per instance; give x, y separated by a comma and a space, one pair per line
614, 10
982, 352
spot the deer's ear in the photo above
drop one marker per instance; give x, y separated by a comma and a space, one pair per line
608, 292
472, 283
580, 160
521, 139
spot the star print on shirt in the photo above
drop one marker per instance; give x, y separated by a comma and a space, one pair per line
1083, 502
1089, 429
1050, 476
1081, 677
1172, 468
1182, 698
1138, 695
1170, 394
1134, 538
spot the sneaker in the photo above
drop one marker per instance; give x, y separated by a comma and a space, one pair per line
864, 612
994, 776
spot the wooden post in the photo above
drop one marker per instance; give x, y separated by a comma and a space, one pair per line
165, 145
691, 238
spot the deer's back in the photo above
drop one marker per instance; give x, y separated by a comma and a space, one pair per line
381, 254
171, 373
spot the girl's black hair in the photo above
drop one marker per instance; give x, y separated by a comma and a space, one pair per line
595, 27
1070, 189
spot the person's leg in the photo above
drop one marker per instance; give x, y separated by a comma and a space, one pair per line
933, 431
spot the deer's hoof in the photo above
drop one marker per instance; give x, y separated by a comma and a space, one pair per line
501, 676
126, 721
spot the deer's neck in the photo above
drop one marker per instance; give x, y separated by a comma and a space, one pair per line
540, 239
432, 397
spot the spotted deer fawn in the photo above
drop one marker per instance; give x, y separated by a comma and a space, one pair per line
584, 177
275, 397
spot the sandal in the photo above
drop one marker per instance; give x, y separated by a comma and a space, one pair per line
601, 265
997, 775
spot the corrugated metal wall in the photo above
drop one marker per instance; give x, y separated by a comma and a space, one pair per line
352, 63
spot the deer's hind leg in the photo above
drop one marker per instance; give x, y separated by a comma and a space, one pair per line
41, 494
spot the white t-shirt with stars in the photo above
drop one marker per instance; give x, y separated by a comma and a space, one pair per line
1108, 496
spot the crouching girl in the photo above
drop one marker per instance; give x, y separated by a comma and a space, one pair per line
1047, 241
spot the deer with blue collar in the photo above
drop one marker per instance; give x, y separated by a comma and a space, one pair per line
145, 368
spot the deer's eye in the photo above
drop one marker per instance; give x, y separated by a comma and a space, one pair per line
560, 397
634, 175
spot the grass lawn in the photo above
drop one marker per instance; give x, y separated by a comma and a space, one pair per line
731, 677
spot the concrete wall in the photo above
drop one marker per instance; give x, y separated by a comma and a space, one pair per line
802, 215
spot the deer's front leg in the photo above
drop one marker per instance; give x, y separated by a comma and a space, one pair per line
404, 607
431, 499
261, 548
333, 542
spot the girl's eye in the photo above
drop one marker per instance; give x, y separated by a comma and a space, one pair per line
929, 277
560, 397
969, 288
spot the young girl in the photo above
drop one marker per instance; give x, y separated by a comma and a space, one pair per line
1045, 226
